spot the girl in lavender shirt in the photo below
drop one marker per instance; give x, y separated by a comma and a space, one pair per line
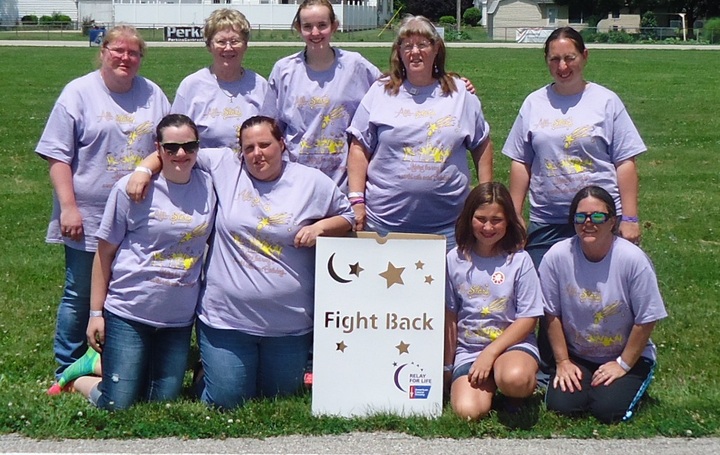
407, 165
602, 304
255, 313
146, 277
493, 302
220, 97
318, 90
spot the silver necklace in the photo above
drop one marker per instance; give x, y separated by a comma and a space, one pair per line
224, 91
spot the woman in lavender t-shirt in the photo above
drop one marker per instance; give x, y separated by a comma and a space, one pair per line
408, 166
601, 304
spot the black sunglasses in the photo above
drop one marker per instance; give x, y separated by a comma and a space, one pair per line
173, 148
595, 217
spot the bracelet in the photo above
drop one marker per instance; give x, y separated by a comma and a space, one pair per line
360, 200
622, 364
353, 194
629, 219
144, 169
96, 313
447, 368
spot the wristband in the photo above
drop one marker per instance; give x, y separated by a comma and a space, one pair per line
447, 368
622, 364
629, 219
144, 169
96, 313
353, 194
360, 200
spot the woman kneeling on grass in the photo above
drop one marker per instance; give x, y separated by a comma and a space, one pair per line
602, 303
146, 277
493, 302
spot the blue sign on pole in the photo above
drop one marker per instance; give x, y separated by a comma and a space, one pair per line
97, 34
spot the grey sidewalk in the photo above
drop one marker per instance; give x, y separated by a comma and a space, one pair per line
369, 443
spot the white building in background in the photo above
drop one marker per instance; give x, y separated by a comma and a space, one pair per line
272, 14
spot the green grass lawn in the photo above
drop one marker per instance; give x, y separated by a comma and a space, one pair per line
670, 95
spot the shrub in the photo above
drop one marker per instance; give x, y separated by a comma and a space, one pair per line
29, 19
620, 37
447, 20
472, 16
648, 24
57, 20
87, 23
711, 30
453, 35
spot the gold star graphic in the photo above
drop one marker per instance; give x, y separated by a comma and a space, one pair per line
341, 346
392, 274
403, 348
429, 279
419, 265
355, 269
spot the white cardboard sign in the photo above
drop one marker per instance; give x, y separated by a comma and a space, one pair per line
379, 324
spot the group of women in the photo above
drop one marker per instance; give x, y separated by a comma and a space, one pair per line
365, 150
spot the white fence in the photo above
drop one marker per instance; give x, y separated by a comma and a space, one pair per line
270, 16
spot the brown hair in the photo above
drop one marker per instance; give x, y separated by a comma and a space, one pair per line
275, 129
418, 25
307, 4
483, 194
568, 33
176, 120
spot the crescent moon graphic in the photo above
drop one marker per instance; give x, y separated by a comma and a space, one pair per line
333, 274
397, 377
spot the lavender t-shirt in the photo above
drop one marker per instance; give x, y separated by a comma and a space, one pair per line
219, 108
418, 175
257, 281
315, 108
156, 271
570, 142
489, 294
599, 302
102, 135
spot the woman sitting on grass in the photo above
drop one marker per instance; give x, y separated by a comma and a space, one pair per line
146, 278
602, 303
493, 302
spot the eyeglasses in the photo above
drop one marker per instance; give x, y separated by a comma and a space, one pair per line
119, 52
421, 46
595, 217
555, 60
224, 43
172, 148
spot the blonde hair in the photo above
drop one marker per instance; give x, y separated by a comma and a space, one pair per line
224, 18
412, 26
124, 31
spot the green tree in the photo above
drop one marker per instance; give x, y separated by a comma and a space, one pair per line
435, 9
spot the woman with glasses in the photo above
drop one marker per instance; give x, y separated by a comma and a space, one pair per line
100, 128
602, 304
407, 164
146, 276
220, 97
255, 313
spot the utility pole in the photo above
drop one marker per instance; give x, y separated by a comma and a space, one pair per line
457, 16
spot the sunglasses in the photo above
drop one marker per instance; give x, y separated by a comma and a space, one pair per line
173, 148
595, 217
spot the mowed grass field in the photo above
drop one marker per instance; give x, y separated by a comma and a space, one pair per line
672, 97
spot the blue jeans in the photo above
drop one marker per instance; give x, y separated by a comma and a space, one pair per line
239, 366
141, 362
73, 312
